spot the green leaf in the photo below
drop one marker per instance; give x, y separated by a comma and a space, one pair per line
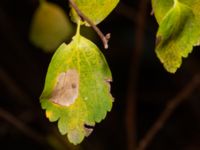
50, 27
77, 90
96, 10
179, 22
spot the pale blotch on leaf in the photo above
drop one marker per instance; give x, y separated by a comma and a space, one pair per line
66, 90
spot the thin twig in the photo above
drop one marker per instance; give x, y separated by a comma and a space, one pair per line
104, 38
170, 107
134, 75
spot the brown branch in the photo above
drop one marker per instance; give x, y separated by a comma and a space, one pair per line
170, 107
134, 75
103, 38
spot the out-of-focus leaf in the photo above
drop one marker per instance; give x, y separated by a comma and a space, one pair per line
50, 27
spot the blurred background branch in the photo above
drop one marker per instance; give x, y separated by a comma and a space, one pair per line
169, 109
131, 104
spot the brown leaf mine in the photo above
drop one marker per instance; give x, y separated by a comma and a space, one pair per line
66, 89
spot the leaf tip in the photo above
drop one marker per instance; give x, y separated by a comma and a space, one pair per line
75, 137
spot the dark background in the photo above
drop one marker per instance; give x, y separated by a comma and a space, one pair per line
136, 72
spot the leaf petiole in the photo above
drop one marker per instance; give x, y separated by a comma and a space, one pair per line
104, 38
78, 28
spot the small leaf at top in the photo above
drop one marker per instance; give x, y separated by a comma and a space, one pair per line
95, 10
77, 90
50, 27
178, 32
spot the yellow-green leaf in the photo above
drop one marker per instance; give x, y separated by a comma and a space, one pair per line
96, 10
77, 90
179, 22
50, 27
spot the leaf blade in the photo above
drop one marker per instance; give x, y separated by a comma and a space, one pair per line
49, 27
94, 99
96, 10
178, 31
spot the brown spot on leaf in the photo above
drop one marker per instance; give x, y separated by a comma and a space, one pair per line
88, 129
66, 90
158, 40
108, 80
74, 85
152, 12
